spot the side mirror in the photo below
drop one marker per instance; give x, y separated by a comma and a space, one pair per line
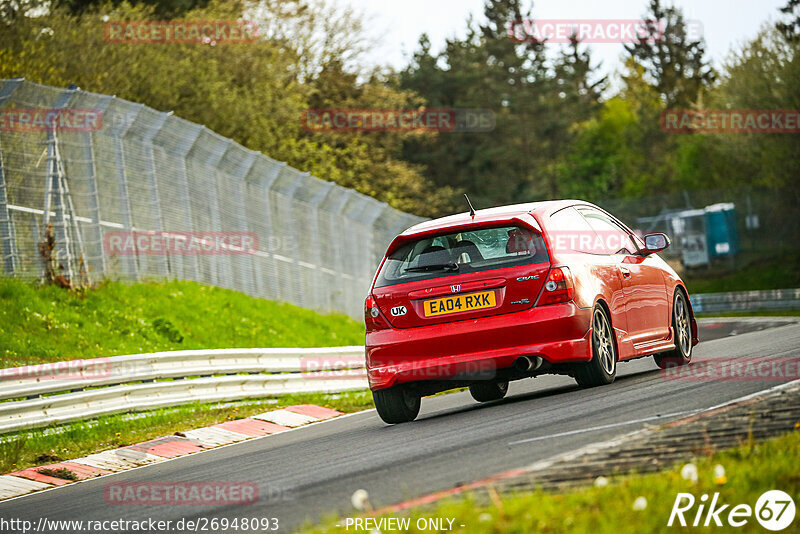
655, 242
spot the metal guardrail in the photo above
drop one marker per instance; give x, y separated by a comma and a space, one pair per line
773, 299
271, 372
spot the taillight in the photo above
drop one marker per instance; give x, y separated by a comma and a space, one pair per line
558, 287
372, 315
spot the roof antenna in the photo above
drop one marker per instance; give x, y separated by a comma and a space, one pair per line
471, 209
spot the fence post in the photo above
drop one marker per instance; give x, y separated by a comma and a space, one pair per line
242, 161
55, 193
318, 276
189, 263
359, 212
7, 235
288, 190
91, 181
372, 211
129, 262
220, 267
160, 261
7, 240
336, 204
266, 183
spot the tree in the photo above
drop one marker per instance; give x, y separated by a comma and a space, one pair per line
535, 103
673, 60
791, 28
763, 74
575, 99
603, 160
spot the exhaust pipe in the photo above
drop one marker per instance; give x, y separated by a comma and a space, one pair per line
528, 363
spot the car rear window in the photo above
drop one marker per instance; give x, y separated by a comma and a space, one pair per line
462, 252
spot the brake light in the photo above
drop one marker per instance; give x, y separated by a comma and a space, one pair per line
558, 287
372, 315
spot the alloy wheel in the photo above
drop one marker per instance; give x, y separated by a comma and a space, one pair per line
603, 343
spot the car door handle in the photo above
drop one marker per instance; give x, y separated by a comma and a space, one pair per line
625, 272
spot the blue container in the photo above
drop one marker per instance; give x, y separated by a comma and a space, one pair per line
721, 234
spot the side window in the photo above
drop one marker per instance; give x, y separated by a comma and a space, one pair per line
613, 238
569, 232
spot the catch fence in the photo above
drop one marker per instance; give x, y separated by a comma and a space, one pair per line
142, 194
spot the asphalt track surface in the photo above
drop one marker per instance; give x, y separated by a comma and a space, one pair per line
313, 471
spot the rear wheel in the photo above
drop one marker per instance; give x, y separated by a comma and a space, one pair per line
488, 391
602, 369
396, 405
682, 330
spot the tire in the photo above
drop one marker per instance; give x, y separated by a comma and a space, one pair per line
602, 369
682, 329
488, 391
397, 404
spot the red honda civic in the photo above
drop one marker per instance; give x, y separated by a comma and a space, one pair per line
482, 298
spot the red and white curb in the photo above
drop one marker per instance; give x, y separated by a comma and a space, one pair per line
164, 448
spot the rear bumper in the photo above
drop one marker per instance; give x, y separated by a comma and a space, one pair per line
558, 333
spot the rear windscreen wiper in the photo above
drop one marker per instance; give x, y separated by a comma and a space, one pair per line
452, 266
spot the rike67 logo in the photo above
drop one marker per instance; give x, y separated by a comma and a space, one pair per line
774, 510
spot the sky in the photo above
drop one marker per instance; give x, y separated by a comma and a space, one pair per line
397, 25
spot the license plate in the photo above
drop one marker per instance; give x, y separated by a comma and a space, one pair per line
459, 303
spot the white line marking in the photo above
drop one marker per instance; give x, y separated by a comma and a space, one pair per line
603, 427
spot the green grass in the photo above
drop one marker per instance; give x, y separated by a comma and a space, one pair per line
47, 445
750, 470
779, 272
43, 324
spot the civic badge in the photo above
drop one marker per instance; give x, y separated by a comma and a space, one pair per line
456, 288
